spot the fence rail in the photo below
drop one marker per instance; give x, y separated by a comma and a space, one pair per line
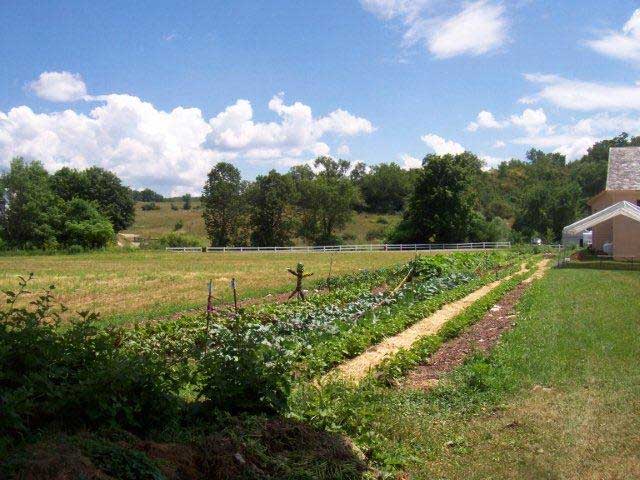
384, 247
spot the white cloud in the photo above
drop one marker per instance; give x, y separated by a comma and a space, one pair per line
623, 45
485, 119
531, 120
343, 150
475, 29
59, 87
170, 150
409, 162
499, 144
492, 162
585, 96
442, 146
571, 145
479, 28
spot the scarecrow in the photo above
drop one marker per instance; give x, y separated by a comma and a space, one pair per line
299, 274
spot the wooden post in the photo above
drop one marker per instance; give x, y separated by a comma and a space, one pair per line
209, 310
329, 276
235, 295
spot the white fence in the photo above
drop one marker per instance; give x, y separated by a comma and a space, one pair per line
385, 247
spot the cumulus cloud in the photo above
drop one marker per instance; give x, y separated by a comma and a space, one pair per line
585, 96
442, 146
530, 120
499, 144
624, 45
492, 162
59, 87
170, 150
475, 29
409, 162
343, 150
485, 119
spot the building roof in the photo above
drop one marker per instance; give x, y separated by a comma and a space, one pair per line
624, 168
624, 208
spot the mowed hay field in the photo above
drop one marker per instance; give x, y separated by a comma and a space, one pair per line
145, 284
363, 228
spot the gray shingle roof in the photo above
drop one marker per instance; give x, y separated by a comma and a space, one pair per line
624, 168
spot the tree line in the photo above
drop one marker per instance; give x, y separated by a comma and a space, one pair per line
452, 198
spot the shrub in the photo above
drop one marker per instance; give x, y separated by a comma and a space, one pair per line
382, 221
179, 224
150, 206
248, 370
174, 207
176, 239
76, 376
375, 234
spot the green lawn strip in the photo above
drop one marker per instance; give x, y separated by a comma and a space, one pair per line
378, 325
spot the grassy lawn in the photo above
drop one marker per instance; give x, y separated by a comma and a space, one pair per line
363, 227
126, 286
558, 398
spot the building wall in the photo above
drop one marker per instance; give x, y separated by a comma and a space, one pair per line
606, 231
602, 234
626, 238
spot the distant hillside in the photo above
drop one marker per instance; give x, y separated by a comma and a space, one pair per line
149, 224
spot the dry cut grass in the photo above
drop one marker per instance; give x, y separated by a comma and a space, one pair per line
146, 284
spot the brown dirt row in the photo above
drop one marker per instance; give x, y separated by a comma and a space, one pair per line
358, 367
482, 336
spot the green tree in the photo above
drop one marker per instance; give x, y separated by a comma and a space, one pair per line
326, 201
223, 205
33, 213
147, 195
186, 201
385, 188
443, 202
97, 185
84, 225
271, 198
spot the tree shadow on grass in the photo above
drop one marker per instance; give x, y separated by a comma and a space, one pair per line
603, 265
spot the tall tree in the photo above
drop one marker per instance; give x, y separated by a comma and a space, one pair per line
326, 201
33, 213
385, 188
223, 205
100, 186
443, 202
271, 198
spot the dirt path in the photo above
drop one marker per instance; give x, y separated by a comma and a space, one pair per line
356, 368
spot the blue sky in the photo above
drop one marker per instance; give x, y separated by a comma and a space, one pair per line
159, 92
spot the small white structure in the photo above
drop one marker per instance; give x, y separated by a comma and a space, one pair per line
620, 209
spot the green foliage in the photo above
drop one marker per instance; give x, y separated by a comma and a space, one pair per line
271, 198
86, 226
186, 201
385, 188
178, 226
34, 215
248, 368
442, 205
325, 200
74, 376
176, 239
223, 205
150, 206
146, 195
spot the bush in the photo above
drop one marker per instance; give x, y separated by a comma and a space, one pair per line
248, 370
176, 239
375, 234
77, 376
174, 207
382, 221
150, 206
179, 224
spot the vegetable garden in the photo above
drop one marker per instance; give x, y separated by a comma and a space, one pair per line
191, 372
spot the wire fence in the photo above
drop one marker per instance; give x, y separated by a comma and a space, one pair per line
383, 247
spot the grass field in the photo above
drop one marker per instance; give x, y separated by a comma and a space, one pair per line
558, 398
126, 286
363, 228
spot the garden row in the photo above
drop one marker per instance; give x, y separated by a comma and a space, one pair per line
165, 375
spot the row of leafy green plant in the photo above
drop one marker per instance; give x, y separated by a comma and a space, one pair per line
75, 374
343, 407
